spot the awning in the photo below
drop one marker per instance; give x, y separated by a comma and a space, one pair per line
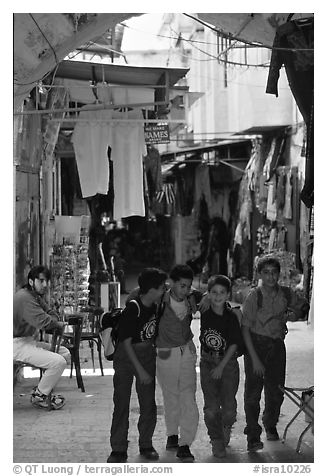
204, 148
120, 74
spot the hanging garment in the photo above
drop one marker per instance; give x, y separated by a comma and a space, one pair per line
287, 212
263, 195
127, 150
267, 166
217, 204
271, 201
152, 163
217, 247
297, 39
304, 231
281, 238
79, 91
188, 174
90, 140
238, 234
202, 185
245, 199
272, 239
280, 193
166, 198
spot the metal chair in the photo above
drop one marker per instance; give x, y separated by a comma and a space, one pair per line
303, 399
71, 339
90, 333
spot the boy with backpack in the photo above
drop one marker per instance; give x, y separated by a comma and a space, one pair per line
176, 360
221, 345
265, 313
135, 356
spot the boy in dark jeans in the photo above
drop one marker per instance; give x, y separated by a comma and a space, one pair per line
136, 356
221, 339
264, 329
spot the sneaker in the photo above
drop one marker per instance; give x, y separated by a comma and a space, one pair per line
117, 457
172, 442
149, 453
227, 432
40, 400
218, 448
254, 444
272, 434
184, 454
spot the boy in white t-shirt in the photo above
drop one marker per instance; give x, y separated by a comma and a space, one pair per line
176, 360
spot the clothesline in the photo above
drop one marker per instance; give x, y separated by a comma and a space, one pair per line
134, 121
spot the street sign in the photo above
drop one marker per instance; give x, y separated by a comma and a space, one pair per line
156, 133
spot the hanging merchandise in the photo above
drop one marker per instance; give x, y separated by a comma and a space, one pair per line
263, 195
238, 238
253, 166
281, 238
152, 164
127, 150
165, 200
245, 208
272, 239
263, 234
216, 258
287, 211
266, 167
271, 201
91, 140
281, 189
202, 186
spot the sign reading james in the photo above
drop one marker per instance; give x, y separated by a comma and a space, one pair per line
156, 133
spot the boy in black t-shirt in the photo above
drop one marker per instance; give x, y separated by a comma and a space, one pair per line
220, 339
135, 356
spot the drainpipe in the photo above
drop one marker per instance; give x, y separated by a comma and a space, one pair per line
41, 222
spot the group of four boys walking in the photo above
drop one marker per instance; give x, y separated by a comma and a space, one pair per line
155, 340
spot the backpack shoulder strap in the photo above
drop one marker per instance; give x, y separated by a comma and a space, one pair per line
259, 298
287, 293
137, 305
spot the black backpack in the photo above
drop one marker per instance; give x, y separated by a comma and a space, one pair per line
109, 327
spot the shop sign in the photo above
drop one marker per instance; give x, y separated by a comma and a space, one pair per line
156, 133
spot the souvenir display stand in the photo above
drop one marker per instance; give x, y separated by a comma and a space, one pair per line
70, 272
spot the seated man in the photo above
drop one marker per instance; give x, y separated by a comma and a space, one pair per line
32, 314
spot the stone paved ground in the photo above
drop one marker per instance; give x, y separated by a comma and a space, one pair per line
80, 431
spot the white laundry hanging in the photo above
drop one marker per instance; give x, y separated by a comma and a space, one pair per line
127, 150
90, 141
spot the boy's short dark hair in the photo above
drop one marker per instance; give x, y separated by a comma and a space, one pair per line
219, 279
268, 261
35, 272
151, 278
181, 271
